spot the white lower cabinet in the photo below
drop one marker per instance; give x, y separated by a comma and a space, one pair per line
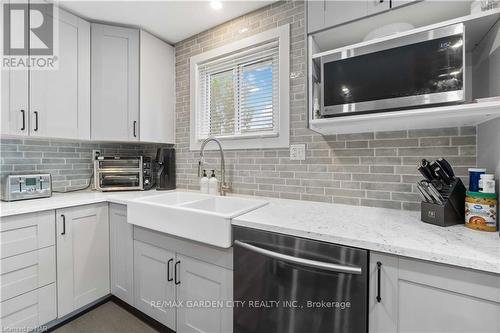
154, 282
27, 271
28, 311
418, 296
82, 256
121, 247
199, 282
183, 277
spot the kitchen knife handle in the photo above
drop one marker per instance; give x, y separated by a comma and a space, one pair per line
446, 166
425, 172
442, 175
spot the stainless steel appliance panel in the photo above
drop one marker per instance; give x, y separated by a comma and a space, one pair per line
420, 69
27, 186
319, 287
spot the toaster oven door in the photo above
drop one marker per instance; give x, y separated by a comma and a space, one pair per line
119, 181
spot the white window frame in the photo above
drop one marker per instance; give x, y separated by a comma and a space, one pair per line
281, 139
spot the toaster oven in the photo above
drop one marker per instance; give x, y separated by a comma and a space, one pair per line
114, 173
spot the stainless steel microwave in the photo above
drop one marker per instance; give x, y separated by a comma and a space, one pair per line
421, 69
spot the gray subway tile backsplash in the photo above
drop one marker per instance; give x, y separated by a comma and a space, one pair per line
68, 161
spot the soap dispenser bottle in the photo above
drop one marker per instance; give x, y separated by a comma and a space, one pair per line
204, 183
213, 184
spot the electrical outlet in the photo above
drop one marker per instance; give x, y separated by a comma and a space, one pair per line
298, 152
95, 153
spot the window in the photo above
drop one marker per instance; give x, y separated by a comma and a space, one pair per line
241, 93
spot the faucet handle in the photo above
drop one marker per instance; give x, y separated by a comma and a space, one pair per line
199, 168
224, 188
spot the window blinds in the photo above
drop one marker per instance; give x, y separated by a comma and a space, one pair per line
240, 93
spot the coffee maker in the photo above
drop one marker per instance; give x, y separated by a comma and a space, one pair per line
165, 169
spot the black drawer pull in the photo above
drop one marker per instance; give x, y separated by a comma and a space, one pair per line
169, 278
64, 224
135, 125
24, 120
379, 268
177, 281
36, 121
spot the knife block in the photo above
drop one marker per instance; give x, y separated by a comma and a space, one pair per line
451, 212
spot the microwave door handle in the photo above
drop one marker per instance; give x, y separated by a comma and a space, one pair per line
301, 261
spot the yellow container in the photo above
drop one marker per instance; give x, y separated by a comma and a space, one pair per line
481, 211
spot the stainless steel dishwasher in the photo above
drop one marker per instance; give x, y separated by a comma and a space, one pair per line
295, 285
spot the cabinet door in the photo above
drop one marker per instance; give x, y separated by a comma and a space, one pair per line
154, 282
82, 256
383, 298
377, 6
115, 83
60, 98
121, 254
201, 281
157, 90
315, 15
14, 101
338, 12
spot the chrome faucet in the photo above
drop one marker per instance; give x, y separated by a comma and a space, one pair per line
223, 187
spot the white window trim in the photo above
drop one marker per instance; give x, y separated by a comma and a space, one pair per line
282, 140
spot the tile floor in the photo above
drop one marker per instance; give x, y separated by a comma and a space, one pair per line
107, 318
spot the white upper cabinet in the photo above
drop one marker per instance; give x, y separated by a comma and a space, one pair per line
157, 90
52, 102
115, 83
60, 98
338, 12
15, 111
325, 14
133, 87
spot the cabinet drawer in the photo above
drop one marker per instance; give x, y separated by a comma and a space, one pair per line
26, 232
454, 279
30, 310
27, 271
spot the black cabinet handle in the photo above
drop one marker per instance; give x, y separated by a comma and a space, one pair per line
36, 121
175, 272
169, 278
379, 268
24, 120
135, 125
64, 224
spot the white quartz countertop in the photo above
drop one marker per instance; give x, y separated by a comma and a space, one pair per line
378, 229
62, 200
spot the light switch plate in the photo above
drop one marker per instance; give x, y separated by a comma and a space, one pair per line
298, 152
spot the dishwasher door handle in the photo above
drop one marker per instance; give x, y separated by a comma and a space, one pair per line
301, 261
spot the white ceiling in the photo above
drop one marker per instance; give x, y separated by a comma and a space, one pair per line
172, 21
